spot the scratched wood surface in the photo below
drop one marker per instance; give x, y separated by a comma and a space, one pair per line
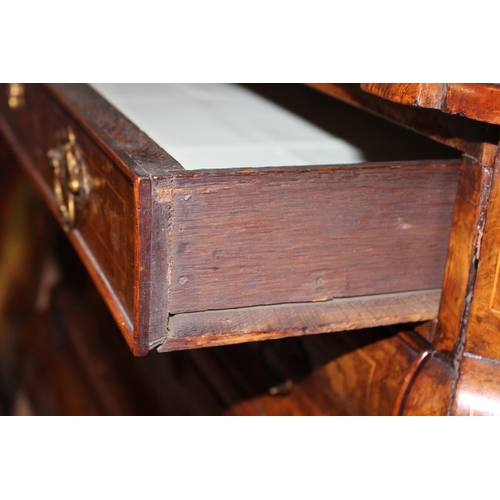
478, 379
229, 326
250, 238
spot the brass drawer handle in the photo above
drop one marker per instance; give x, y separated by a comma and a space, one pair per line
71, 180
15, 97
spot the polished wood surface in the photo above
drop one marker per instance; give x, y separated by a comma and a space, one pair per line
467, 348
484, 324
430, 388
468, 222
357, 373
453, 130
478, 101
478, 387
444, 367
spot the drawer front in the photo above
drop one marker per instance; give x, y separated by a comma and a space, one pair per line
103, 227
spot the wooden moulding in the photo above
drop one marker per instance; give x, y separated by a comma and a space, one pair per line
295, 249
424, 116
478, 387
478, 101
465, 240
482, 337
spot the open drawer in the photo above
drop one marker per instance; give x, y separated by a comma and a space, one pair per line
211, 255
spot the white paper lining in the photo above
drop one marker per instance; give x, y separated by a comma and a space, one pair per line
224, 126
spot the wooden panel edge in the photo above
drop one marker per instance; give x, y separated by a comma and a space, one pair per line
133, 150
473, 100
428, 95
142, 265
430, 388
161, 240
469, 217
454, 130
212, 328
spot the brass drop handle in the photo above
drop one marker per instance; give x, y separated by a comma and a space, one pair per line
71, 180
74, 186
15, 97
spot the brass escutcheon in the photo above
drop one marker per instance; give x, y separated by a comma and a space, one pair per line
15, 97
71, 180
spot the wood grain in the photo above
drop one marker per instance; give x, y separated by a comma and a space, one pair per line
430, 388
478, 101
352, 373
70, 367
132, 150
114, 230
247, 238
484, 324
211, 328
428, 95
367, 377
104, 235
468, 222
478, 387
469, 318
454, 130
160, 267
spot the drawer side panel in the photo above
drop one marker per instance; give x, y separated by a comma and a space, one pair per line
250, 238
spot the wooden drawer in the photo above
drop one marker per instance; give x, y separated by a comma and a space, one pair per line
191, 258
